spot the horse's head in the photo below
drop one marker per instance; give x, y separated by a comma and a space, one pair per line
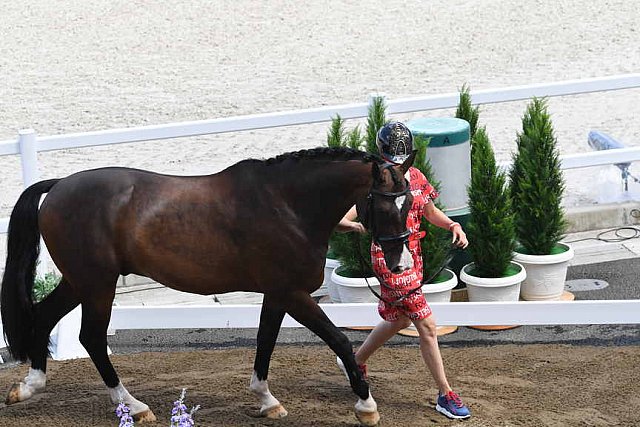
385, 210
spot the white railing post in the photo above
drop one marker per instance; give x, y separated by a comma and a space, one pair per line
30, 175
28, 156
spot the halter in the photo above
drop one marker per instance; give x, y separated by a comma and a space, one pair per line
369, 220
404, 236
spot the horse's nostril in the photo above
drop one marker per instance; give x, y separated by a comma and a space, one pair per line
397, 270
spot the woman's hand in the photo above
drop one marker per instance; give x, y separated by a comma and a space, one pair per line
348, 226
459, 236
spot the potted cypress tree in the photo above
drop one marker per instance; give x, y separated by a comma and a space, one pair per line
335, 138
436, 243
493, 275
351, 277
536, 190
437, 282
341, 245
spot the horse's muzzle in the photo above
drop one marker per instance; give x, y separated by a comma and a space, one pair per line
405, 263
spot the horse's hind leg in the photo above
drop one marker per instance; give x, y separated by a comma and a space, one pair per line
47, 314
270, 321
96, 312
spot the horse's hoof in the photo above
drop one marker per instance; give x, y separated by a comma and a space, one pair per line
368, 418
275, 412
14, 394
144, 417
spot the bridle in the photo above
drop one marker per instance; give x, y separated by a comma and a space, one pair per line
369, 219
369, 223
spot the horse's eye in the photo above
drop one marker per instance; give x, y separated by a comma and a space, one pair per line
400, 201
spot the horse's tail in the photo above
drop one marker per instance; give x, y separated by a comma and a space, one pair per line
23, 248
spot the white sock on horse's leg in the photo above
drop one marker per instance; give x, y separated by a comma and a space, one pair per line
267, 401
367, 405
119, 392
367, 411
34, 382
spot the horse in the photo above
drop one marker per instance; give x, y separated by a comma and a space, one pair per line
259, 226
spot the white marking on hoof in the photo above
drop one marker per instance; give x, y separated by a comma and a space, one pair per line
270, 407
136, 408
367, 412
33, 383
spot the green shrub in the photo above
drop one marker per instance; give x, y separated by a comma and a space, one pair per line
537, 184
375, 120
335, 135
468, 112
345, 246
491, 228
43, 286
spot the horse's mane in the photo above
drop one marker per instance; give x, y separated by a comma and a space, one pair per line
321, 153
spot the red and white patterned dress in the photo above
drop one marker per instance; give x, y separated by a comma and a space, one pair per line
414, 306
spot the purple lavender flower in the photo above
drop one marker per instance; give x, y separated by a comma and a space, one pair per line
179, 415
122, 412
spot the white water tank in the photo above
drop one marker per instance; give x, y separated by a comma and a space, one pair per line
449, 153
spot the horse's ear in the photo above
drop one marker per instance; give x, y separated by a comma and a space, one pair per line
407, 163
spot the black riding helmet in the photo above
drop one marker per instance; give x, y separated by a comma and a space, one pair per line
395, 142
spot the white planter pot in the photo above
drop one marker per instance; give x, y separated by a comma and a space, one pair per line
355, 289
440, 292
493, 289
436, 292
332, 288
546, 274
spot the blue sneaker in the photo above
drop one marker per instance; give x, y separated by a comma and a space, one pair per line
451, 406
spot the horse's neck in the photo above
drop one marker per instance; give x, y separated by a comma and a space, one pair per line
325, 193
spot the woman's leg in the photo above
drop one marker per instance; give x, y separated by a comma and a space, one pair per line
431, 352
382, 333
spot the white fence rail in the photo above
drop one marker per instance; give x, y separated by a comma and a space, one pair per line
28, 144
598, 312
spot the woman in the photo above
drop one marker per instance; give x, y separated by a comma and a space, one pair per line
395, 144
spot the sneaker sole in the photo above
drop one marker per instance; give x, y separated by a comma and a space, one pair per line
448, 414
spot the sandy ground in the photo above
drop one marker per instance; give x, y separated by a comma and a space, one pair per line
71, 67
527, 385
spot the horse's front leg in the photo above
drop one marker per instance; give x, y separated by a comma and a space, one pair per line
307, 312
270, 322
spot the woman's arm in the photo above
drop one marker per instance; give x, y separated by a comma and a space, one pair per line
438, 218
347, 223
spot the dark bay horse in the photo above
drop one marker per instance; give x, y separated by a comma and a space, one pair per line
260, 226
